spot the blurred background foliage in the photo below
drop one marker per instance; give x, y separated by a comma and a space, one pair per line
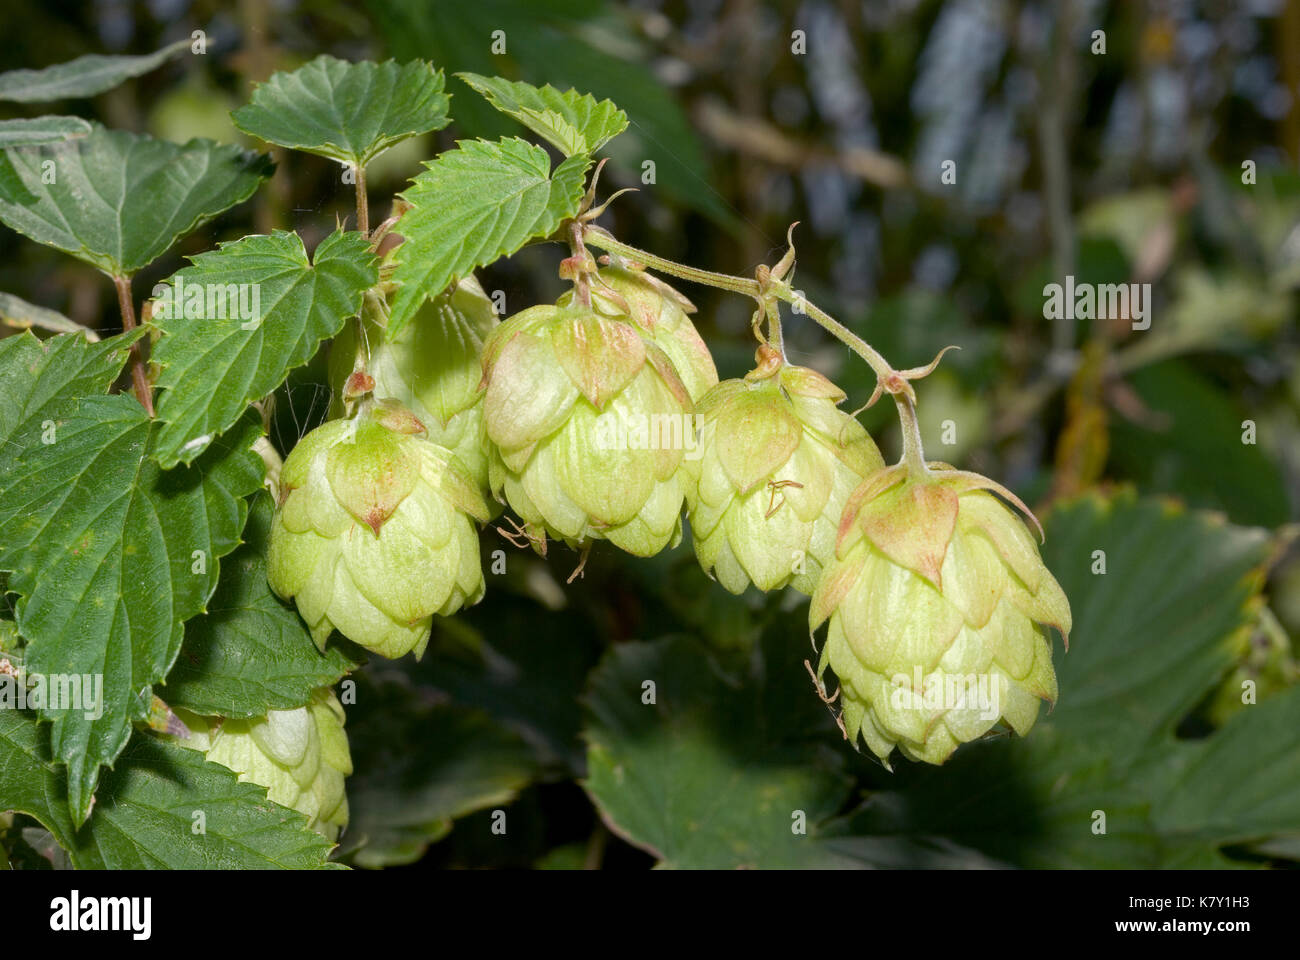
1119, 166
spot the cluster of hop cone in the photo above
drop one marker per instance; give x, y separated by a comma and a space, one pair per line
919, 575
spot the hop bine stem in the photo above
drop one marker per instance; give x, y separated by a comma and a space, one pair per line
771, 286
139, 379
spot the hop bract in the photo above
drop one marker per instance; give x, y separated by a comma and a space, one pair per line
301, 756
777, 462
660, 313
936, 603
588, 421
432, 367
375, 532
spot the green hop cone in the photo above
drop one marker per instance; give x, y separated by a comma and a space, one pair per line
375, 532
432, 367
660, 313
936, 605
588, 422
776, 463
301, 756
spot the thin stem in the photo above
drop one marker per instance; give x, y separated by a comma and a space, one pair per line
600, 238
771, 289
913, 452
578, 250
363, 201
138, 378
774, 335
851, 340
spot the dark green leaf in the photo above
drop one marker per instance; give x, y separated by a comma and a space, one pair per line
346, 111
719, 770
83, 77
119, 200
214, 361
572, 122
250, 652
38, 130
109, 556
145, 817
418, 765
473, 205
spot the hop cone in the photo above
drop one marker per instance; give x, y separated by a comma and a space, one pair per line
375, 532
936, 603
588, 421
660, 313
776, 464
432, 367
301, 756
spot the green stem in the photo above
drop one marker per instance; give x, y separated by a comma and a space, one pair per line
363, 201
578, 250
851, 340
600, 238
141, 382
889, 379
913, 452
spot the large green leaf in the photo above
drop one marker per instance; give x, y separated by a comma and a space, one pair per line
1150, 635
346, 111
83, 77
1241, 785
718, 770
119, 200
572, 122
109, 556
145, 817
418, 765
473, 205
38, 130
214, 361
1150, 639
37, 373
250, 652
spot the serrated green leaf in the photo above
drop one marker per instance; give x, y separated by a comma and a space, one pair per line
145, 815
214, 361
38, 130
1240, 785
572, 122
1150, 635
418, 766
346, 111
473, 205
18, 314
82, 77
119, 200
109, 556
250, 652
37, 373
719, 770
